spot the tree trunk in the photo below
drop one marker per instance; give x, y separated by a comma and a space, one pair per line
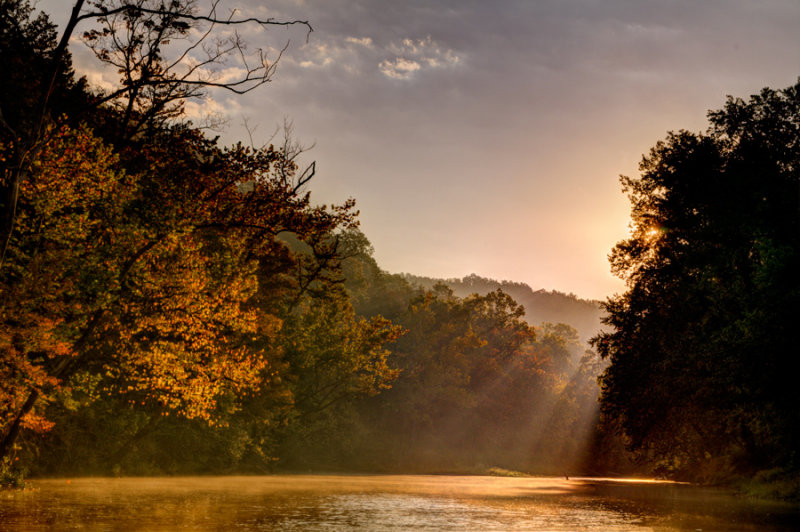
11, 434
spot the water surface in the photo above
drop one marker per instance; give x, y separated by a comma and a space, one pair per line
381, 503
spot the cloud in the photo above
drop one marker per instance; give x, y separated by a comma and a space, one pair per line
210, 109
399, 68
412, 55
400, 59
363, 41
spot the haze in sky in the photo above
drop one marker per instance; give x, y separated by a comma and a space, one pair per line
488, 137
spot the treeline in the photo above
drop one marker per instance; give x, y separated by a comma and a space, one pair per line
168, 305
540, 305
467, 386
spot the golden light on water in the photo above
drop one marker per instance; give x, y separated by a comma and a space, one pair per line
383, 502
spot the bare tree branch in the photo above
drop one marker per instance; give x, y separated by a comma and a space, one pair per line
137, 9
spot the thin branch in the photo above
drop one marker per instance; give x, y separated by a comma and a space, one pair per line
306, 176
128, 9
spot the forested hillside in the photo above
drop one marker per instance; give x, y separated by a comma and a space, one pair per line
540, 305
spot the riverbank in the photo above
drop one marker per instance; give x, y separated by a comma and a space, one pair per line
772, 484
769, 485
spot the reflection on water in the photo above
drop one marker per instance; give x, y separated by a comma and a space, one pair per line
336, 502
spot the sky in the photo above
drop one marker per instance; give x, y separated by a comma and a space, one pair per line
489, 137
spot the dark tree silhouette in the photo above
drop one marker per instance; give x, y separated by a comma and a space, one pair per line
702, 346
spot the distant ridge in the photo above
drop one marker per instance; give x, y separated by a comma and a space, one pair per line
540, 305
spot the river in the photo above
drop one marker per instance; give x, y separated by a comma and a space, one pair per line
383, 502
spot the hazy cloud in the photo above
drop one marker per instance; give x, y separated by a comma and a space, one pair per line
412, 55
399, 68
207, 108
363, 41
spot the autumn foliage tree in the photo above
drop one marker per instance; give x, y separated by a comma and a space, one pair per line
145, 274
143, 271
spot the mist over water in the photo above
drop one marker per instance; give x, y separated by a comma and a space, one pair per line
337, 502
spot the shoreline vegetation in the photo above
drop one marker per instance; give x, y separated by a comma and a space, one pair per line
170, 306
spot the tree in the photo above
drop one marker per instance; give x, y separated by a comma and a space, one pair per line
156, 77
142, 272
319, 358
702, 340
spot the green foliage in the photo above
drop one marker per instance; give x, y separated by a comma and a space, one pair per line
500, 472
540, 305
776, 483
701, 342
11, 476
477, 385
